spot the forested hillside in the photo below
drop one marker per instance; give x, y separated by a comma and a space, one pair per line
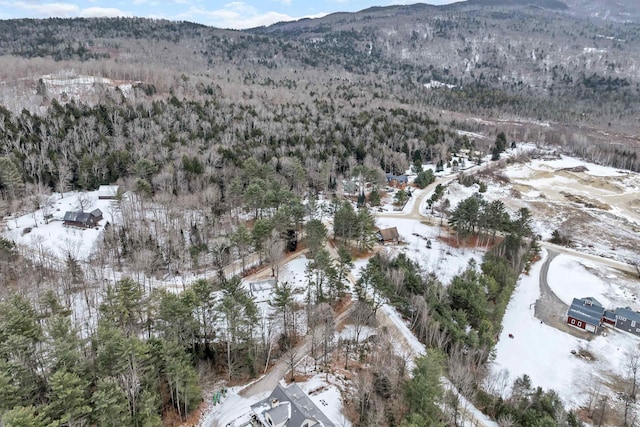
233, 146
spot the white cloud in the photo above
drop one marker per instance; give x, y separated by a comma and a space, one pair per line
146, 2
237, 15
96, 12
63, 10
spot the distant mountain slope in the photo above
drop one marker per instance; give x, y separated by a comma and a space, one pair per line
612, 10
545, 4
545, 59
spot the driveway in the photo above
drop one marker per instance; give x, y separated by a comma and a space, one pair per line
549, 308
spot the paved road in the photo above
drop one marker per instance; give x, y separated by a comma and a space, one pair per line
549, 308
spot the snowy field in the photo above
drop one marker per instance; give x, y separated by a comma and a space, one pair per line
543, 352
441, 259
597, 206
571, 277
54, 239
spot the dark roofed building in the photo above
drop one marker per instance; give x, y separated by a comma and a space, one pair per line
288, 407
388, 235
397, 179
82, 219
628, 320
585, 314
609, 317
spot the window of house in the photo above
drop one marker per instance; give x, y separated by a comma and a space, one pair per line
579, 324
633, 323
573, 321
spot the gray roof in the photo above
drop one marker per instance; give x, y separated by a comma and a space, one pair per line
399, 178
628, 314
81, 217
591, 314
76, 216
302, 408
280, 413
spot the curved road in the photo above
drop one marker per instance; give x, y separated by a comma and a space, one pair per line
596, 258
549, 308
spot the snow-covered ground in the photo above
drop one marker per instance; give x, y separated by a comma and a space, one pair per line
54, 239
67, 84
441, 259
235, 410
388, 207
598, 207
571, 277
543, 352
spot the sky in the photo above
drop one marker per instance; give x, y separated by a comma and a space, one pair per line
221, 14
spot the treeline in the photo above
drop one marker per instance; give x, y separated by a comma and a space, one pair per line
528, 406
138, 363
463, 318
182, 147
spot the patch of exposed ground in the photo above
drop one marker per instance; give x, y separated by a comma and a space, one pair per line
600, 214
585, 201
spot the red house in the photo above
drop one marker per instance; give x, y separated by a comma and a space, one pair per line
585, 314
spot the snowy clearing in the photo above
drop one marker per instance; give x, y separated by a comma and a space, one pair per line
555, 367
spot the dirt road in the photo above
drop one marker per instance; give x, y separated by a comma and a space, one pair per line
415, 210
269, 381
595, 258
549, 308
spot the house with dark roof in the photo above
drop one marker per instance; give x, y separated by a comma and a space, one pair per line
628, 320
399, 180
82, 219
388, 235
288, 407
586, 314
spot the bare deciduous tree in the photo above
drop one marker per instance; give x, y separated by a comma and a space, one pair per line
84, 201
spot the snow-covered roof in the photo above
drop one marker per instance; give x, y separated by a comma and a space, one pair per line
589, 313
108, 191
302, 408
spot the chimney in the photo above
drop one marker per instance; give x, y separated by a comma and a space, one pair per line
274, 403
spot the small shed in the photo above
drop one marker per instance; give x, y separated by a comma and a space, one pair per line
108, 192
82, 219
388, 235
586, 314
628, 320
